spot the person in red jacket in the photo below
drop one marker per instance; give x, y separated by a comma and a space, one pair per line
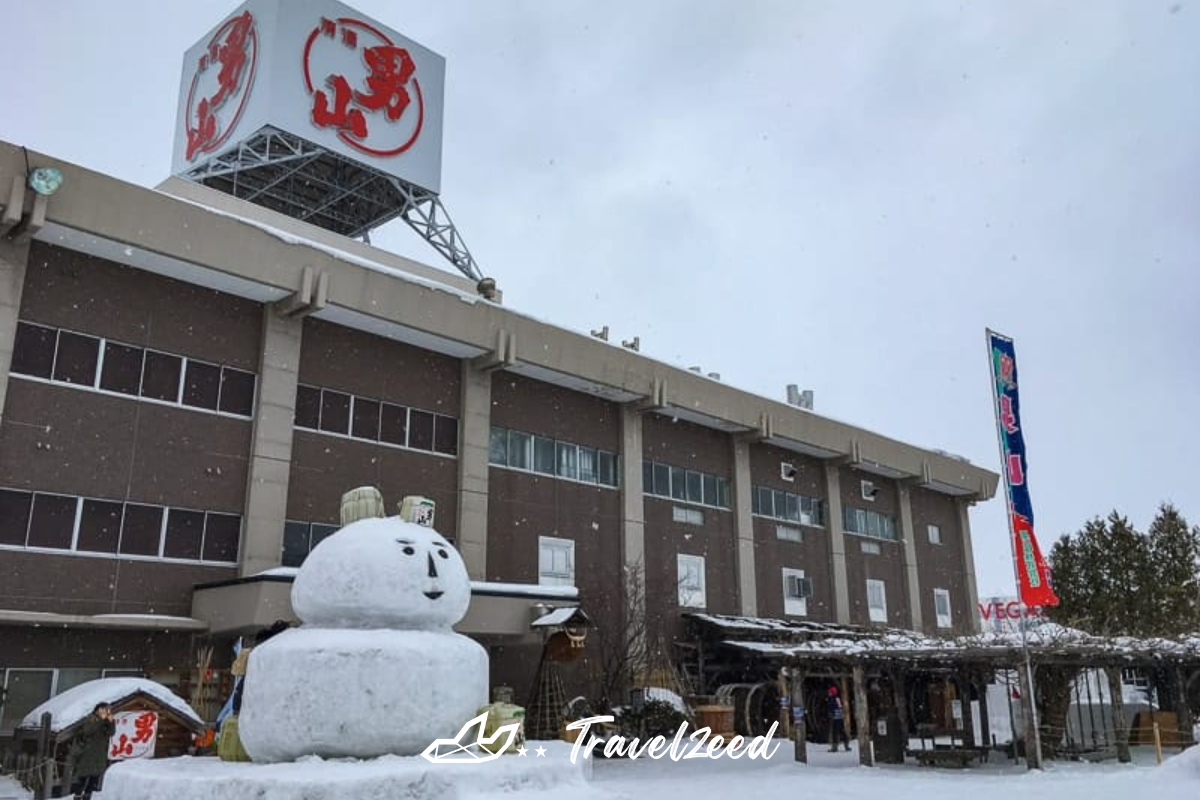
837, 721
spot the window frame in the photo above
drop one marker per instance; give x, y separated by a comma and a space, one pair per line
934, 532
877, 613
687, 565
548, 547
943, 620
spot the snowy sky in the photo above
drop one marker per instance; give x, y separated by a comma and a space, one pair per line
839, 195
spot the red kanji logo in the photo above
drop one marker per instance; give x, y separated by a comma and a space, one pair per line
1007, 416
350, 104
1016, 475
391, 67
123, 747
144, 727
340, 116
234, 47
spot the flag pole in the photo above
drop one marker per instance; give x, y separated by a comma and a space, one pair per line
1033, 740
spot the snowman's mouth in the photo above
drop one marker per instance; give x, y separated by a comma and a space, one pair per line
433, 595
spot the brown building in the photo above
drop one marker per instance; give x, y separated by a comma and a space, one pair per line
190, 382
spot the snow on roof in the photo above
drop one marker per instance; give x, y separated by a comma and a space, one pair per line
784, 638
73, 705
483, 587
525, 589
561, 616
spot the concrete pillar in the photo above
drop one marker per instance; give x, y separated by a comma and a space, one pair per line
1033, 737
13, 258
862, 718
970, 617
800, 721
909, 554
837, 544
1120, 724
743, 488
633, 529
473, 446
271, 442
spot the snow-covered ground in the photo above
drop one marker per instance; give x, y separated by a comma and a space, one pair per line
827, 775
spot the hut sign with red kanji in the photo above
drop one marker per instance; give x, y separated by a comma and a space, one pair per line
134, 736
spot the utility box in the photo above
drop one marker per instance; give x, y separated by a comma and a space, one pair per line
887, 735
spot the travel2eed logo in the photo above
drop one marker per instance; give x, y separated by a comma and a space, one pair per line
478, 748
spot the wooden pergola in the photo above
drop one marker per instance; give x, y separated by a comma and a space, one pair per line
875, 666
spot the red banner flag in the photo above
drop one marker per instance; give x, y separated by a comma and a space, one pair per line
1032, 573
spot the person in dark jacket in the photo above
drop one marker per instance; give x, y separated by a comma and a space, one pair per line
88, 753
837, 721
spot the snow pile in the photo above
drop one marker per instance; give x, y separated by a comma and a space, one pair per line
1186, 764
73, 705
412, 778
376, 669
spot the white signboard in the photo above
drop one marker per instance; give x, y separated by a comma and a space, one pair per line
135, 735
321, 71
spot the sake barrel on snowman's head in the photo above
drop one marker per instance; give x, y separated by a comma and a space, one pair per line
382, 573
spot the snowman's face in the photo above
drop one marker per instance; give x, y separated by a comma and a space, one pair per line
382, 573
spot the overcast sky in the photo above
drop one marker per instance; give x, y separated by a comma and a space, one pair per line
839, 195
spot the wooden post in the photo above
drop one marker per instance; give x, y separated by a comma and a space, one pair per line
1157, 740
862, 718
985, 720
1120, 724
900, 698
1183, 712
1033, 739
964, 683
801, 721
45, 758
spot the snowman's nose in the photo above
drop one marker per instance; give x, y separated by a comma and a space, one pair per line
432, 566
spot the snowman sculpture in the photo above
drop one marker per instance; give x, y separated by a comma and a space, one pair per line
376, 667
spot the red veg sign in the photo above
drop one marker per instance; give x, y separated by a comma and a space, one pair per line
232, 54
390, 85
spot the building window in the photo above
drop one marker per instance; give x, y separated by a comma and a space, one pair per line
869, 523
777, 504
546, 456
420, 429
787, 533
688, 516
869, 490
690, 577
109, 527
787, 472
871, 548
364, 423
935, 534
122, 370
299, 539
75, 361
941, 607
23, 690
99, 527
110, 367
556, 561
796, 591
372, 420
161, 374
33, 350
568, 460
876, 601
686, 486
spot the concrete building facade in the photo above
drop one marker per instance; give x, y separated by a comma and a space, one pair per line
189, 383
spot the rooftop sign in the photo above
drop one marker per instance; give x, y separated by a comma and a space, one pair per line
318, 70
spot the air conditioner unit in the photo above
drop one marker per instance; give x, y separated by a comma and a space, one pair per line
799, 587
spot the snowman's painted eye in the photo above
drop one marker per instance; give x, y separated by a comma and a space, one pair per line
408, 548
443, 554
408, 551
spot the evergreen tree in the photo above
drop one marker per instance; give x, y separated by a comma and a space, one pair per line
1174, 562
